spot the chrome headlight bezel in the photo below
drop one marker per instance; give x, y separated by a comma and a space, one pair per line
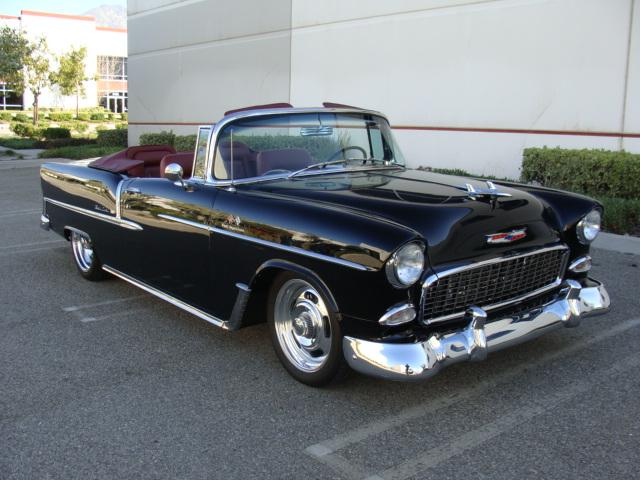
589, 227
402, 258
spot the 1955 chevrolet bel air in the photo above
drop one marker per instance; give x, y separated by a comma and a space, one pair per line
308, 218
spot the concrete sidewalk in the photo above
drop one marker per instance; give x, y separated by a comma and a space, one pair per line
618, 243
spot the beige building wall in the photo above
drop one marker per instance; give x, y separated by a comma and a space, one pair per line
466, 83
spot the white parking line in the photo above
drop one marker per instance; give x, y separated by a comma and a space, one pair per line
504, 423
84, 319
19, 212
32, 244
74, 308
324, 451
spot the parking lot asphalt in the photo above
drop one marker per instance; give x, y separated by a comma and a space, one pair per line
100, 380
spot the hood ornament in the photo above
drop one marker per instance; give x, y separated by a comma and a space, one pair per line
507, 237
491, 192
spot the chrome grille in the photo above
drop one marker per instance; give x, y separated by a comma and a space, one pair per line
492, 284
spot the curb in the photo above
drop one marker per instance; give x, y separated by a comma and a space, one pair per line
617, 243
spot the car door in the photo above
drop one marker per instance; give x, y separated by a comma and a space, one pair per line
171, 252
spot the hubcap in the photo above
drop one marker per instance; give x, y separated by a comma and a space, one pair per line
302, 325
82, 250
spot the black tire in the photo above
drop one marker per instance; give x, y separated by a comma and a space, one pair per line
85, 257
331, 359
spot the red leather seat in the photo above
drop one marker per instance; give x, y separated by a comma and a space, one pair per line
287, 159
184, 159
140, 161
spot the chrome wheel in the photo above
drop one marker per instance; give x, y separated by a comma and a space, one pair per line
82, 251
302, 325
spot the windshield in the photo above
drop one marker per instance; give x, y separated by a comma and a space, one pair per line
283, 144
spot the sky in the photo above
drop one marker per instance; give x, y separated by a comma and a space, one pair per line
13, 7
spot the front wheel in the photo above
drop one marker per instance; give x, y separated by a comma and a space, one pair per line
304, 330
85, 256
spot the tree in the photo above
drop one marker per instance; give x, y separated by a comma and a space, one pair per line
24, 64
70, 76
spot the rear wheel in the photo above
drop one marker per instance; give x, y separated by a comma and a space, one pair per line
304, 329
85, 257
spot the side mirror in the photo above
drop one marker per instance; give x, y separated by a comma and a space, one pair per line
174, 172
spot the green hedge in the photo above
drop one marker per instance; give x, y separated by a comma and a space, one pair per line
83, 117
6, 116
26, 130
592, 172
60, 116
22, 117
113, 138
158, 138
65, 142
98, 117
78, 152
52, 133
185, 143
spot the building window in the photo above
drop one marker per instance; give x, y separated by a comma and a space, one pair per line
112, 68
114, 101
8, 98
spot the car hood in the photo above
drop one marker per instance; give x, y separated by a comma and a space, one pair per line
437, 207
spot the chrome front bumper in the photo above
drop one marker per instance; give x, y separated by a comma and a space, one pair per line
417, 361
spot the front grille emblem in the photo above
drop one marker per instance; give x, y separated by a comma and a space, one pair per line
507, 237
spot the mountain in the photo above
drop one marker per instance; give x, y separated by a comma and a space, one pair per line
109, 15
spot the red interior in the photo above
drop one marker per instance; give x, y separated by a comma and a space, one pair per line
151, 160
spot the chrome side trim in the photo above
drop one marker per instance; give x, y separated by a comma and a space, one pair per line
422, 360
184, 221
431, 279
267, 243
118, 194
296, 250
167, 298
99, 216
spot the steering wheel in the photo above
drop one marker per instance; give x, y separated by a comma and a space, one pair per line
276, 171
345, 150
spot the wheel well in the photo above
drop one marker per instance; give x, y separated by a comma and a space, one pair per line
262, 281
257, 306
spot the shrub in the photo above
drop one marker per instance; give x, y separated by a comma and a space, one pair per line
18, 143
60, 116
6, 116
592, 172
97, 117
162, 138
621, 215
183, 143
113, 138
78, 152
83, 117
22, 117
26, 130
65, 142
124, 116
52, 133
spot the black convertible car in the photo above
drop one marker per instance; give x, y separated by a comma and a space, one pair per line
308, 218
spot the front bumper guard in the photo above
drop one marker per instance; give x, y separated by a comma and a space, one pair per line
418, 361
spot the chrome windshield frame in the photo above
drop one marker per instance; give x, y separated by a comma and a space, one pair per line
218, 127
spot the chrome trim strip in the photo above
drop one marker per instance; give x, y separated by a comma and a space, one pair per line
167, 298
99, 216
184, 221
431, 279
267, 243
118, 194
297, 250
421, 360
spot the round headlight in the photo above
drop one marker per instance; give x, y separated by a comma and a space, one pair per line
589, 227
405, 265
